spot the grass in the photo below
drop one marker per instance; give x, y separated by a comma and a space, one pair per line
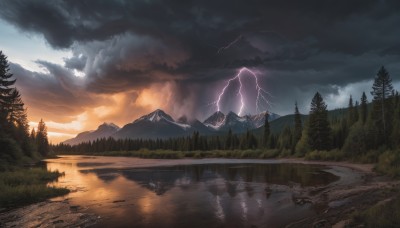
384, 214
389, 164
23, 186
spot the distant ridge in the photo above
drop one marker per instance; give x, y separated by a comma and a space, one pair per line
159, 125
103, 131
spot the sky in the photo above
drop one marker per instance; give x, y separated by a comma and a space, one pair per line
81, 63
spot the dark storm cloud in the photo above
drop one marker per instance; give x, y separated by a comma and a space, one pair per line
56, 94
301, 45
76, 62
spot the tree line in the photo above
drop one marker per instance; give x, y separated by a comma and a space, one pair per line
366, 126
15, 139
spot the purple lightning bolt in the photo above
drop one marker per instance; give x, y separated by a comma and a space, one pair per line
261, 93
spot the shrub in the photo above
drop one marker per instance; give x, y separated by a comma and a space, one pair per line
269, 154
389, 163
333, 155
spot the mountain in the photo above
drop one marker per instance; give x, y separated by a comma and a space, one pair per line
196, 125
155, 125
215, 120
238, 124
259, 119
159, 124
103, 131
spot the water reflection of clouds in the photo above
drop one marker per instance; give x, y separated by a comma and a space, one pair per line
170, 196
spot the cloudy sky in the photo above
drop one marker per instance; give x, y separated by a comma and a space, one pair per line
82, 63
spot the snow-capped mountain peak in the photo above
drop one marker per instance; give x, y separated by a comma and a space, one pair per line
215, 119
158, 124
219, 121
156, 116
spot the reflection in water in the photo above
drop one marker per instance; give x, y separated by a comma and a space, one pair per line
213, 195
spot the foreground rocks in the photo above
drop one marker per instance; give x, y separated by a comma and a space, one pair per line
47, 214
337, 204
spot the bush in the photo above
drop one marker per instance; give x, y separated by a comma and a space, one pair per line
371, 156
333, 155
285, 153
389, 163
269, 154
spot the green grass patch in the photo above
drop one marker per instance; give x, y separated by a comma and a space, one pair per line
23, 186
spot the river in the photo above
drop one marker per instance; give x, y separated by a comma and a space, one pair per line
134, 192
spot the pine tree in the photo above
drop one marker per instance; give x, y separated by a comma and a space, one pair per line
298, 127
6, 82
13, 117
350, 112
364, 108
11, 103
41, 139
5, 79
356, 114
395, 137
229, 141
267, 130
382, 90
319, 131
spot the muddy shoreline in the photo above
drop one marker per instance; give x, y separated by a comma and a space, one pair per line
338, 202
335, 202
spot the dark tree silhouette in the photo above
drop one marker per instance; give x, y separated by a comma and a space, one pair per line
381, 90
298, 126
267, 130
319, 131
364, 108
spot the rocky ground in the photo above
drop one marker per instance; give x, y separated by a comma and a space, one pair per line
338, 202
48, 214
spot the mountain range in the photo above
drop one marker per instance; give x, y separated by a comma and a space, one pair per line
159, 124
103, 131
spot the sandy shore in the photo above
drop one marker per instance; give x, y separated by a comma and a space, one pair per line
356, 190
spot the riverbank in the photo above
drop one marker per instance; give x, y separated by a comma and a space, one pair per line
22, 186
47, 214
349, 205
358, 189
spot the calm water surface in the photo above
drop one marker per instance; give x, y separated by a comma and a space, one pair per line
132, 192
